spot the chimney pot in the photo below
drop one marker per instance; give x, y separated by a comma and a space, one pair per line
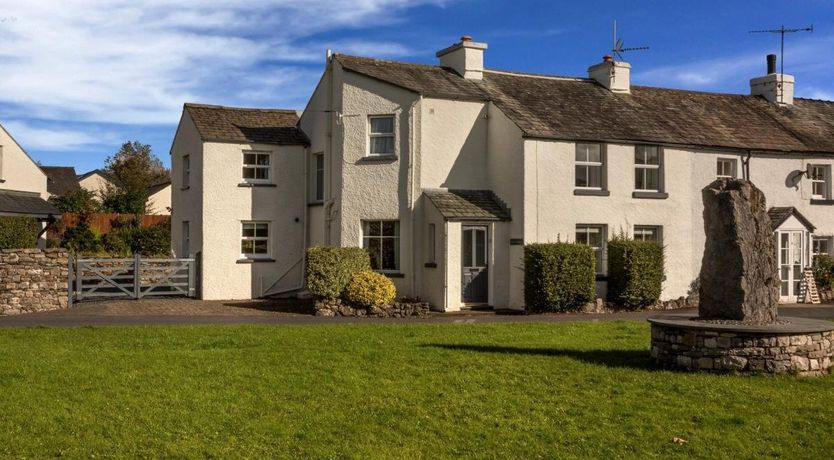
465, 57
607, 58
771, 63
466, 38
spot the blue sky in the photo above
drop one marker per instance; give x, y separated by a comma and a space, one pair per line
79, 77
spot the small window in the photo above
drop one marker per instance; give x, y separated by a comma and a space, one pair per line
593, 236
185, 250
318, 171
652, 233
821, 246
256, 166
382, 240
255, 240
726, 168
431, 255
820, 181
186, 171
381, 135
647, 170
590, 167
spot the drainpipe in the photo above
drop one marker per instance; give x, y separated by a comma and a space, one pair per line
411, 201
745, 165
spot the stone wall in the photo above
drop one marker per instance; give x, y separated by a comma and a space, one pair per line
724, 351
336, 307
33, 280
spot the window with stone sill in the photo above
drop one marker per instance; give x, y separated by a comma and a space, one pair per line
648, 169
821, 246
381, 238
590, 167
653, 233
254, 242
726, 168
256, 166
820, 176
595, 237
381, 135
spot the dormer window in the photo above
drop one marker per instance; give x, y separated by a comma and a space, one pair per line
381, 135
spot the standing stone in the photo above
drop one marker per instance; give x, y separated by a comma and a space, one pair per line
739, 272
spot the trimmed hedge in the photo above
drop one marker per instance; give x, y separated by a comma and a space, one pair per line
18, 232
824, 271
558, 276
330, 269
635, 272
370, 289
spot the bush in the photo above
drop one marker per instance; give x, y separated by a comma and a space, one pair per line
81, 239
119, 241
824, 271
635, 272
78, 201
369, 289
558, 276
18, 232
153, 241
330, 269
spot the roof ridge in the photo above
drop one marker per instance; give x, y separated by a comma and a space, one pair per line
387, 61
537, 75
225, 107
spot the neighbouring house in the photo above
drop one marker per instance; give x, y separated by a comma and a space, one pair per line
159, 198
23, 185
444, 172
95, 181
239, 200
60, 180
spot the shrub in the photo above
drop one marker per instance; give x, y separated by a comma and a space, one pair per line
824, 271
635, 272
369, 289
18, 232
558, 276
81, 239
330, 269
153, 241
78, 201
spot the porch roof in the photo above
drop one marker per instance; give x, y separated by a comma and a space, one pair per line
778, 216
17, 203
468, 204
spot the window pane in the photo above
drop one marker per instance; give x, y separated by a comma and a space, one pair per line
817, 173
248, 158
248, 173
480, 248
594, 237
390, 228
260, 247
382, 145
389, 254
372, 245
647, 155
467, 248
582, 235
581, 152
247, 247
594, 153
581, 176
248, 230
263, 159
595, 176
261, 173
262, 230
652, 179
373, 228
382, 125
639, 178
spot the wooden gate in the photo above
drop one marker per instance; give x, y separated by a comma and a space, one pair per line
130, 278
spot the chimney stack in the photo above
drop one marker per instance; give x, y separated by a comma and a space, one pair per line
614, 76
465, 57
774, 87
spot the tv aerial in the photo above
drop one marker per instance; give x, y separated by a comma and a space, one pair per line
618, 50
782, 31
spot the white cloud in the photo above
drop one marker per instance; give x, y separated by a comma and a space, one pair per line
126, 61
55, 139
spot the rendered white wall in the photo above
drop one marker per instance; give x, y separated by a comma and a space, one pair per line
19, 172
95, 184
160, 202
187, 203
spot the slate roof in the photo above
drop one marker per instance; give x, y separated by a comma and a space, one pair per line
580, 109
234, 124
25, 203
468, 204
100, 172
778, 216
60, 179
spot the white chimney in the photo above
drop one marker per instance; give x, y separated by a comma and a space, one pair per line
465, 57
615, 76
776, 88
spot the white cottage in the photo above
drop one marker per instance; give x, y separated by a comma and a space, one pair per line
444, 172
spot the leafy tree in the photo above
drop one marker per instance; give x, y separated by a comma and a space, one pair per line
80, 201
134, 168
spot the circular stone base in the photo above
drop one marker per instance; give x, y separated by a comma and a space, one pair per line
796, 345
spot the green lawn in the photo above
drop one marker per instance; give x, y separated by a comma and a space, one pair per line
388, 391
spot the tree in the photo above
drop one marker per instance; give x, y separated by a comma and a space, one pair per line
78, 201
133, 169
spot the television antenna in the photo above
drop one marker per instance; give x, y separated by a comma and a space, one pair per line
782, 31
617, 44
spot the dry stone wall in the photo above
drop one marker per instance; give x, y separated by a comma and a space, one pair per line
33, 280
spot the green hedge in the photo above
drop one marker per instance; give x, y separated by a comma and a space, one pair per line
330, 269
558, 276
635, 272
824, 271
18, 232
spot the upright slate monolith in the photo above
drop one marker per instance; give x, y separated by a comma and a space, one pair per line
739, 272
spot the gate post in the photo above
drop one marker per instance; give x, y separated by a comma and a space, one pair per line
191, 282
70, 281
137, 277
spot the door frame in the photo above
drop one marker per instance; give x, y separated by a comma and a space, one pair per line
804, 240
487, 260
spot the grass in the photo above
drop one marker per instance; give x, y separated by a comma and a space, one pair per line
388, 391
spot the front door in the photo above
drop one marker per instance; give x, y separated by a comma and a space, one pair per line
791, 263
475, 277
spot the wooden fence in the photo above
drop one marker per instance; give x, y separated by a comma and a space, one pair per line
103, 222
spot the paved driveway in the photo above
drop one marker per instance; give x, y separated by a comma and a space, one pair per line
188, 311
